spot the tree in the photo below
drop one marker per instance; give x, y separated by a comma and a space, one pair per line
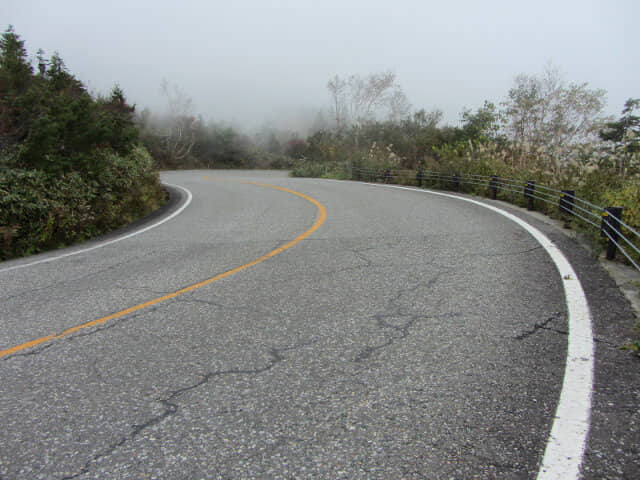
624, 133
359, 100
15, 69
337, 91
15, 79
543, 110
59, 77
627, 129
180, 125
483, 125
399, 105
118, 121
367, 96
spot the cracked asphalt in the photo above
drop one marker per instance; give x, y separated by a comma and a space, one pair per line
410, 337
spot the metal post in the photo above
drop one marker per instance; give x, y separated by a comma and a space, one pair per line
566, 201
529, 190
565, 206
419, 178
387, 175
493, 186
456, 182
610, 228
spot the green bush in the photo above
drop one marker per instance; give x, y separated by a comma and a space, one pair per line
70, 165
305, 168
40, 211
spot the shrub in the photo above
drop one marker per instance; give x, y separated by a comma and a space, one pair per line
40, 211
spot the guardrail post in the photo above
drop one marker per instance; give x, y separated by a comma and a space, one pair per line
529, 190
610, 228
356, 172
387, 175
493, 186
565, 205
456, 182
566, 201
419, 178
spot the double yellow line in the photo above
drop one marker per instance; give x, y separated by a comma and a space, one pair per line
321, 217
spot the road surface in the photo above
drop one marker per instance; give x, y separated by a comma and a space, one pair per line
328, 330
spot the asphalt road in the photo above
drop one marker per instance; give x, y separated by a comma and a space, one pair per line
409, 336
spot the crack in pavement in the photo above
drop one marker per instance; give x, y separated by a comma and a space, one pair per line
66, 281
84, 333
542, 326
170, 406
504, 254
402, 331
359, 253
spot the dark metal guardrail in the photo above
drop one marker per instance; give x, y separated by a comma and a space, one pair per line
621, 237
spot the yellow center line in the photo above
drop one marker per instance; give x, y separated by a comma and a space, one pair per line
321, 217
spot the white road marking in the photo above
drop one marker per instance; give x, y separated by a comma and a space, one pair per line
108, 242
567, 440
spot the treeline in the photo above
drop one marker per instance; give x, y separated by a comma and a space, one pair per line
545, 130
71, 165
537, 126
180, 139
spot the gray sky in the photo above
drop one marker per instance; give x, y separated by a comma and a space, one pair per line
250, 61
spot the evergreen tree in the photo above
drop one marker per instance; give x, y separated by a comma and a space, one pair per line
626, 130
15, 69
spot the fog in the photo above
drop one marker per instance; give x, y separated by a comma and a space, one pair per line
251, 63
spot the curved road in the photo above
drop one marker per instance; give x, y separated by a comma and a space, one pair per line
403, 336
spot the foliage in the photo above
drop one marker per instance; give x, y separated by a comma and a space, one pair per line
306, 168
358, 100
543, 110
70, 165
216, 145
624, 134
41, 210
628, 124
483, 125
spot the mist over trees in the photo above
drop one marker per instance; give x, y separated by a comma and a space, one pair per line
180, 138
358, 100
89, 159
541, 112
540, 123
370, 116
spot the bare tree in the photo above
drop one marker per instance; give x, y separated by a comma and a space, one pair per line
368, 94
543, 110
358, 100
399, 105
337, 89
181, 125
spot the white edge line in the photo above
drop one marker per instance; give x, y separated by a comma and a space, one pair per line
567, 440
109, 242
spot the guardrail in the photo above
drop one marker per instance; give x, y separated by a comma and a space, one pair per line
608, 220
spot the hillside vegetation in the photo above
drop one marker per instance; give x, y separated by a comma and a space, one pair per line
71, 165
545, 130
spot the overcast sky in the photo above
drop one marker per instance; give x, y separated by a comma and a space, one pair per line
251, 61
